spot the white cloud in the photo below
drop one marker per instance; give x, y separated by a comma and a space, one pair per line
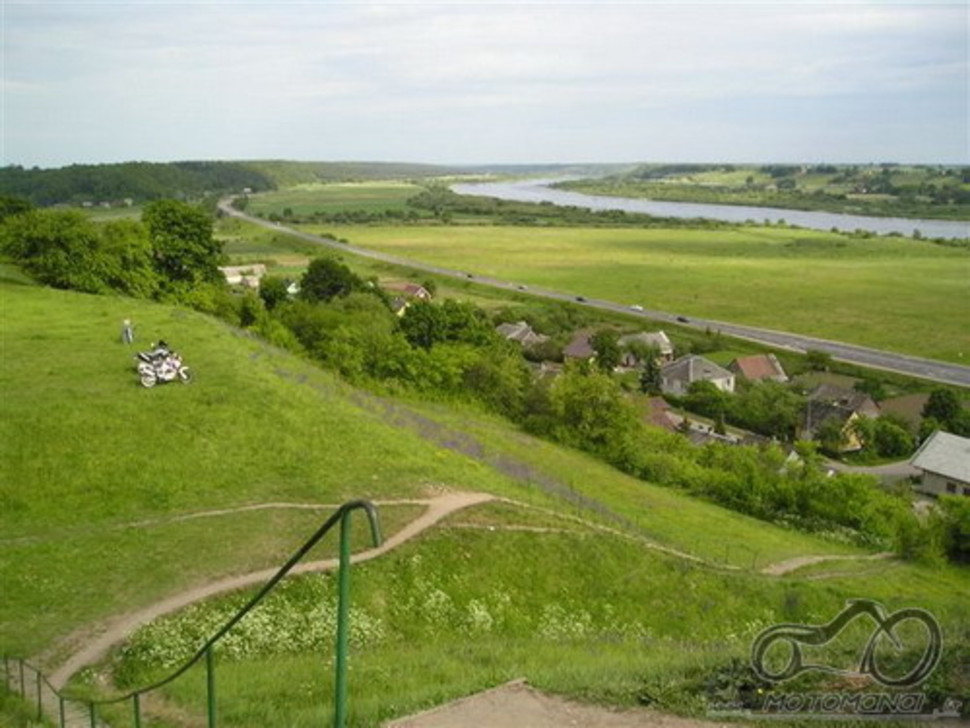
96, 80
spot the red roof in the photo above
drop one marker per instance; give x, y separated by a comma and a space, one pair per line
759, 366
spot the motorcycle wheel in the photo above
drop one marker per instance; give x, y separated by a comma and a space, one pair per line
185, 375
148, 379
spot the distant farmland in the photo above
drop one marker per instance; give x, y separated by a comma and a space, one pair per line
890, 293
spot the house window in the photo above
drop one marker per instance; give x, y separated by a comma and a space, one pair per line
966, 490
951, 487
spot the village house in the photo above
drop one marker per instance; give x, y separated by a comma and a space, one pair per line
247, 276
828, 402
580, 348
653, 339
522, 333
759, 367
406, 290
676, 377
944, 460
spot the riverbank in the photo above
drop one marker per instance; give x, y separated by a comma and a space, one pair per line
542, 190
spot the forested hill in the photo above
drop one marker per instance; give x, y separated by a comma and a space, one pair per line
145, 181
136, 181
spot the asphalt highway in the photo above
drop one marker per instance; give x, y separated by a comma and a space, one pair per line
937, 371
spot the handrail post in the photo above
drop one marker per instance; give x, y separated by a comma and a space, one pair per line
343, 612
60, 711
136, 706
93, 715
23, 685
40, 695
210, 688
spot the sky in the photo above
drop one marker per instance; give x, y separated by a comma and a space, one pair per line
485, 82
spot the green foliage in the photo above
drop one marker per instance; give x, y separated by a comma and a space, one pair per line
426, 323
955, 517
183, 246
706, 399
650, 368
326, 279
818, 361
138, 181
768, 408
943, 410
65, 249
608, 353
11, 205
272, 289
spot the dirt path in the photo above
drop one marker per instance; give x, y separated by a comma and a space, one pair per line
116, 630
518, 704
786, 567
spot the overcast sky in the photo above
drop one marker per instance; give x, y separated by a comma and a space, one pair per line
474, 82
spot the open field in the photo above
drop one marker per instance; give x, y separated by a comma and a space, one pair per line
900, 295
566, 586
333, 197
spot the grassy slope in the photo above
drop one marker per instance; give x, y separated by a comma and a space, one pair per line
84, 449
804, 281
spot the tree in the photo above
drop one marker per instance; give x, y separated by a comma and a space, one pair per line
891, 440
11, 205
128, 253
326, 279
608, 353
819, 361
704, 398
272, 289
943, 405
183, 246
425, 324
650, 379
60, 248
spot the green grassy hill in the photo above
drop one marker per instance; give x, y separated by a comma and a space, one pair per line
567, 583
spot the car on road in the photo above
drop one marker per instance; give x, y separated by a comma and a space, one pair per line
636, 307
683, 319
580, 299
522, 288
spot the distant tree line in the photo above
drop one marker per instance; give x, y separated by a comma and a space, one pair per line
136, 181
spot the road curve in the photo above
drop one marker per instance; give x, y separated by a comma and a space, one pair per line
936, 371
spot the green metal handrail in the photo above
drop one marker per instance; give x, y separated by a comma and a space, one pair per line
342, 515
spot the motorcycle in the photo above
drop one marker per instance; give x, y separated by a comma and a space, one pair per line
161, 364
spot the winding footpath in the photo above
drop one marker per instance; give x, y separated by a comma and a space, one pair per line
118, 629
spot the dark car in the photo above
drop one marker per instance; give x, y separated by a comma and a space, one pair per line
580, 299
683, 319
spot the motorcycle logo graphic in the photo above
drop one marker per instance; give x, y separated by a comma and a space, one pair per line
797, 635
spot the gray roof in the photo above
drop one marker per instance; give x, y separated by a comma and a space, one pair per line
945, 454
693, 368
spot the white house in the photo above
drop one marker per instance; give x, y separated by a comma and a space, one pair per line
244, 275
944, 460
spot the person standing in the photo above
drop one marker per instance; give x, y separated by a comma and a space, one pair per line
127, 332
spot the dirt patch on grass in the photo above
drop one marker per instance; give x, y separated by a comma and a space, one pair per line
518, 704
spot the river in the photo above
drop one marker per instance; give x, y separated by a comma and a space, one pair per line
538, 190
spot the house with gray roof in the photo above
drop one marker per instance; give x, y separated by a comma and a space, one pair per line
522, 333
676, 377
944, 460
